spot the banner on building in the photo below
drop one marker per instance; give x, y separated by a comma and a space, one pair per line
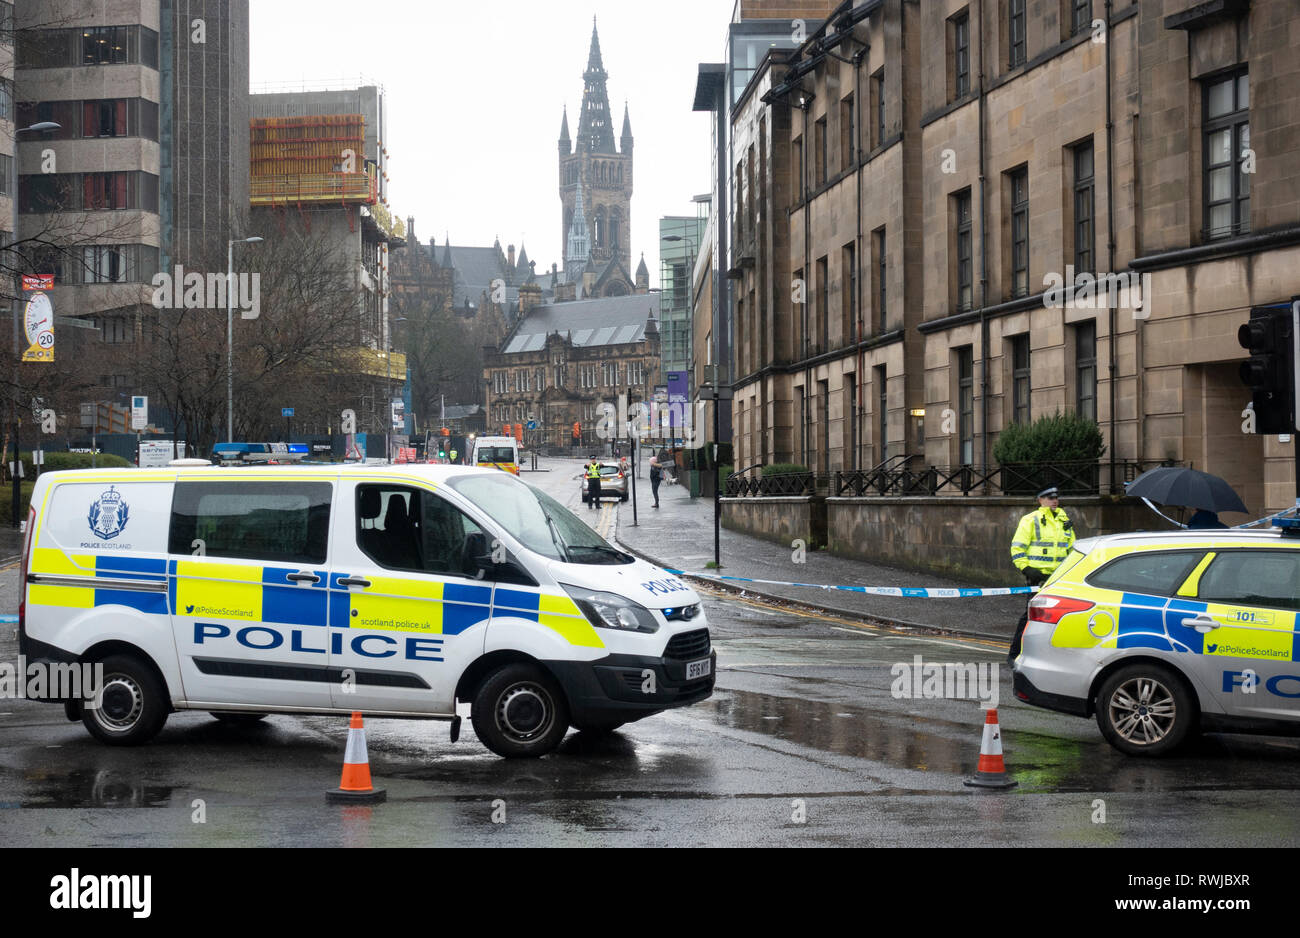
39, 320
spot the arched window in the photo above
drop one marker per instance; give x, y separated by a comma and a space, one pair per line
615, 223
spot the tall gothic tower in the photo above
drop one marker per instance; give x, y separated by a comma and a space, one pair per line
605, 172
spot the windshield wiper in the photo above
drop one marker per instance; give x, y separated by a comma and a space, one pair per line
602, 548
556, 539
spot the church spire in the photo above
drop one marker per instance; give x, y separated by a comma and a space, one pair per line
625, 143
566, 146
594, 131
579, 249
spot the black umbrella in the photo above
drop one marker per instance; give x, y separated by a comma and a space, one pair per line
1173, 485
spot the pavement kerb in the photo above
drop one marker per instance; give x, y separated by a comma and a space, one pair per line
816, 607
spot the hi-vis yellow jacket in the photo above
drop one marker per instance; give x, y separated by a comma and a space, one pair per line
1042, 540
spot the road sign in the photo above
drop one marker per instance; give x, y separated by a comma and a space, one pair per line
531, 425
286, 411
139, 412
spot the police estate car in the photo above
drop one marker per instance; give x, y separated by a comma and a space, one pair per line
396, 591
1165, 634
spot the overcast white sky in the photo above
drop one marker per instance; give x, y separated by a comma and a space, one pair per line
475, 95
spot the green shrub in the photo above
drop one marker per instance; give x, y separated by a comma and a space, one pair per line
57, 462
723, 472
782, 468
1061, 438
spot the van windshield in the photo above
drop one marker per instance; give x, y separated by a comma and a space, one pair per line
495, 454
540, 523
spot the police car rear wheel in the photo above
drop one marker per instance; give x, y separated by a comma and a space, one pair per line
519, 712
1145, 710
132, 705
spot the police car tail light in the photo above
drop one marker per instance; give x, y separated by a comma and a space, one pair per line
27, 559
1053, 609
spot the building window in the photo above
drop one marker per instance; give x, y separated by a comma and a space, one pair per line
1084, 206
848, 142
851, 421
882, 270
1015, 32
819, 149
1020, 388
1085, 369
849, 263
796, 166
1227, 138
1019, 181
961, 54
882, 411
1080, 16
966, 405
878, 92
823, 297
965, 268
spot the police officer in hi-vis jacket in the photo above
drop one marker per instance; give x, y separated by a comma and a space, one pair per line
1043, 539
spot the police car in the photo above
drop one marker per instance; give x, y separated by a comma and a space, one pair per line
1161, 635
396, 591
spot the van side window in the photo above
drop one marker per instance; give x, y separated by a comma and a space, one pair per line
405, 528
1253, 578
281, 522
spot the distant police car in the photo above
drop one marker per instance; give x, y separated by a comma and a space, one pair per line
396, 591
1165, 634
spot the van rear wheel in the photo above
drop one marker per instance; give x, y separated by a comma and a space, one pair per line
519, 712
132, 704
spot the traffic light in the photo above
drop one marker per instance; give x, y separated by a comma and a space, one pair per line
1269, 372
577, 431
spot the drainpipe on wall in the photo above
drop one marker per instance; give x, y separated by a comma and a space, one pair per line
858, 58
984, 267
1110, 246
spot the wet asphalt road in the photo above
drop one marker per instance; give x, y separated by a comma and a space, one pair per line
801, 744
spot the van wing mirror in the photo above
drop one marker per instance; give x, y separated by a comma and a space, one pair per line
481, 562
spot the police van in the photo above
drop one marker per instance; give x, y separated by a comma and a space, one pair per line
498, 452
1163, 635
398, 591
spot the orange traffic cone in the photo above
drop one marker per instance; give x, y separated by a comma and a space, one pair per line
991, 772
355, 787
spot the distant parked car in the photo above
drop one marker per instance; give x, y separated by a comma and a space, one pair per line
613, 482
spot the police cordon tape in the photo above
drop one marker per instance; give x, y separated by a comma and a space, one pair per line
913, 592
8, 620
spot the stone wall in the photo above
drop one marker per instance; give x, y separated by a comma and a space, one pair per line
778, 519
965, 538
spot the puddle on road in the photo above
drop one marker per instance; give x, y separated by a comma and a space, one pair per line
820, 726
91, 788
1038, 762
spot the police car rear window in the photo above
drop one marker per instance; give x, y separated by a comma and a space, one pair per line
284, 522
1158, 573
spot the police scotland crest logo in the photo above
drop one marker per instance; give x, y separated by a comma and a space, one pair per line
108, 515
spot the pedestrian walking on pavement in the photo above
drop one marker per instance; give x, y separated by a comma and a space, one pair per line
657, 463
593, 482
1042, 540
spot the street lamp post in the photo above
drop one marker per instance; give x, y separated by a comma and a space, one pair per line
13, 198
230, 333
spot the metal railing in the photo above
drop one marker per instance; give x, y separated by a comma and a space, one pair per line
1072, 478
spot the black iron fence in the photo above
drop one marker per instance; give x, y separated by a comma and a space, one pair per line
1072, 478
897, 477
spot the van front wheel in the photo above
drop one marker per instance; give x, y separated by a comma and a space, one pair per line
132, 705
519, 712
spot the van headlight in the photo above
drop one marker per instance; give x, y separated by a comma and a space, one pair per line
611, 611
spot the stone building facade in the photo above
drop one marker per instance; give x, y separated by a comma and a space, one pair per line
561, 362
944, 171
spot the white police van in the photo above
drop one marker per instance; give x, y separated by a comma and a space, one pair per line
396, 591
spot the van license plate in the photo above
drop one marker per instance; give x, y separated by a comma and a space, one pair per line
696, 669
